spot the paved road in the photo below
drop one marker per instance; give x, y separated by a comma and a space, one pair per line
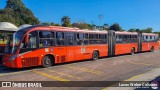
117, 68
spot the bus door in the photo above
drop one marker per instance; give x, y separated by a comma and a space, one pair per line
139, 42
82, 44
30, 44
70, 41
111, 43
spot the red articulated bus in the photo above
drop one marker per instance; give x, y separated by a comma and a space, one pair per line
49, 45
159, 43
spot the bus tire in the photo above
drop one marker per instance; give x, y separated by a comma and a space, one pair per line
132, 51
152, 49
95, 55
47, 61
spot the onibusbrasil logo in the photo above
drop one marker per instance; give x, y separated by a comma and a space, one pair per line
154, 85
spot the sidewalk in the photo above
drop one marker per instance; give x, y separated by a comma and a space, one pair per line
153, 75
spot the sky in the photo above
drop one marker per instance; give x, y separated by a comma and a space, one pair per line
128, 13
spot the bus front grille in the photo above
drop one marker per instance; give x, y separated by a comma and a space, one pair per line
30, 61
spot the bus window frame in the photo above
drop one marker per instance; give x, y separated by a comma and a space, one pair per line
94, 37
74, 40
64, 41
83, 39
103, 39
37, 46
53, 37
127, 38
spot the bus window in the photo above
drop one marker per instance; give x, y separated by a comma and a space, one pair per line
91, 38
60, 38
130, 36
85, 38
105, 39
2, 40
123, 38
146, 37
33, 40
133, 38
70, 38
79, 38
128, 39
119, 38
4, 37
46, 38
95, 38
102, 39
150, 37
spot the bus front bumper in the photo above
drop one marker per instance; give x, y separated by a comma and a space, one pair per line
9, 63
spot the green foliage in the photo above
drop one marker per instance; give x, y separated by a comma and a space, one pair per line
147, 30
115, 27
82, 25
106, 26
50, 23
16, 13
66, 22
157, 33
14, 4
134, 30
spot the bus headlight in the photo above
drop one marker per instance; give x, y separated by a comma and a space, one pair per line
13, 57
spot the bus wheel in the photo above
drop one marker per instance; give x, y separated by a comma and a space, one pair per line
132, 51
95, 55
152, 49
47, 61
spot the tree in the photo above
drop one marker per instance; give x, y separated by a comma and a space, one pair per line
134, 30
14, 4
50, 23
115, 27
157, 33
106, 26
16, 13
147, 30
82, 26
66, 22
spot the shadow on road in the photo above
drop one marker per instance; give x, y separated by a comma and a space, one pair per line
7, 70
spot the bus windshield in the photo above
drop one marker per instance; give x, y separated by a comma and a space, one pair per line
13, 43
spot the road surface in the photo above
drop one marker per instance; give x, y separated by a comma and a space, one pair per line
119, 68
